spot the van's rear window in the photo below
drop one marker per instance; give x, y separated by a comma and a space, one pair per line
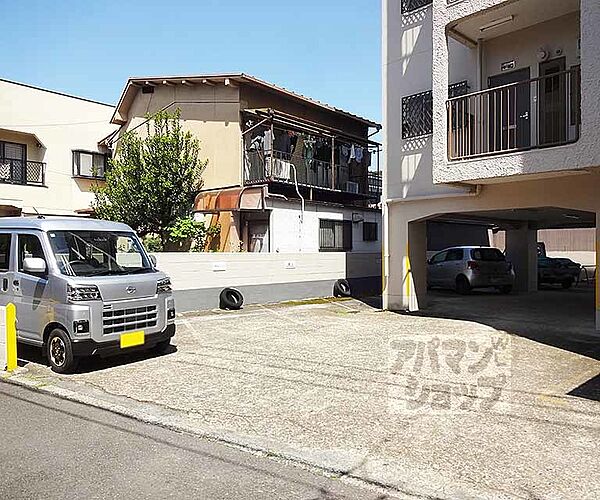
487, 254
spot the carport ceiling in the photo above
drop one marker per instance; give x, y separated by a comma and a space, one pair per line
539, 217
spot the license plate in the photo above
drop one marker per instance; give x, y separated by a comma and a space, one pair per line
132, 339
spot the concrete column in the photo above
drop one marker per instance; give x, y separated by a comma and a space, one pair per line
417, 245
521, 250
405, 264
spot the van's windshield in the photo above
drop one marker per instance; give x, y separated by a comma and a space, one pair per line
98, 253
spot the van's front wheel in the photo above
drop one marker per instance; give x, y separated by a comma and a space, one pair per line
60, 352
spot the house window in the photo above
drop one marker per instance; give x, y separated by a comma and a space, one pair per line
335, 235
88, 164
369, 231
410, 5
417, 115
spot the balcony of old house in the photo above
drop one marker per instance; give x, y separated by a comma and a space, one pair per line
310, 161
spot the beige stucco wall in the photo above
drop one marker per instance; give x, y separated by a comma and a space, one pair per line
61, 124
211, 114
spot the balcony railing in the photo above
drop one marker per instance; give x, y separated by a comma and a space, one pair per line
22, 172
536, 113
375, 183
289, 168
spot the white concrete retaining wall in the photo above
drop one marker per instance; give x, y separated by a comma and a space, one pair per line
266, 277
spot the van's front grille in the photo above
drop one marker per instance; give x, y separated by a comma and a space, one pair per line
128, 320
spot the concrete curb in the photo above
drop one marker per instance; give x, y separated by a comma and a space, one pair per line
19, 380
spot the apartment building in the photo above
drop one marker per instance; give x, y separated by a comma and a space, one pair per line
491, 118
49, 150
285, 173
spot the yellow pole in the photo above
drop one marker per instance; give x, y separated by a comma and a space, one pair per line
11, 337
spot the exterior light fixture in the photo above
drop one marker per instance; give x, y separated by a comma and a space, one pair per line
497, 23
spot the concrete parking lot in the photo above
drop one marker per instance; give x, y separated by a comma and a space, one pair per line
477, 398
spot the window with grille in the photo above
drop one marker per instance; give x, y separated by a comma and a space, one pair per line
335, 235
417, 115
410, 5
370, 231
88, 164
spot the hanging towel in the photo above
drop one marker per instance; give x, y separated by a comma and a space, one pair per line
358, 152
352, 153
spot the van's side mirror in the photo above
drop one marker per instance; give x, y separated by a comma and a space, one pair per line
34, 265
153, 260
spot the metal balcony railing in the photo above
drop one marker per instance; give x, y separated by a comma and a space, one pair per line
375, 183
535, 113
277, 166
22, 172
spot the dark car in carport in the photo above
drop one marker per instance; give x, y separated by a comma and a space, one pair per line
556, 270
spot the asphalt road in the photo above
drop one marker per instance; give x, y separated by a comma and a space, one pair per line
53, 448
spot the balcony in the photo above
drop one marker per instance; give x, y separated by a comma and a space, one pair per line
25, 172
527, 114
279, 167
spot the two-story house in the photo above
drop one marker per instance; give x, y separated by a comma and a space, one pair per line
285, 173
492, 118
49, 150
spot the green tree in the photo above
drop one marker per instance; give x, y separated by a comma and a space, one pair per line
153, 178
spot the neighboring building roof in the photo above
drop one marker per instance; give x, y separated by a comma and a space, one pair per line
55, 92
132, 85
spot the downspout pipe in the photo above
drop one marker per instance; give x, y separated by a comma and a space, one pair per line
302, 203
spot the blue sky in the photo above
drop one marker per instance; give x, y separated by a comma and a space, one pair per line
327, 49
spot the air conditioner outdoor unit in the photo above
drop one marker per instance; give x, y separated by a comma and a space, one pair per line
351, 187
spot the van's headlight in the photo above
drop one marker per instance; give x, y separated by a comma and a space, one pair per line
163, 285
78, 293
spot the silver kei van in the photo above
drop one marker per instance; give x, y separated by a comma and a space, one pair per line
83, 287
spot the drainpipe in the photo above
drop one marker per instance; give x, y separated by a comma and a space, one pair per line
480, 68
468, 194
301, 201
